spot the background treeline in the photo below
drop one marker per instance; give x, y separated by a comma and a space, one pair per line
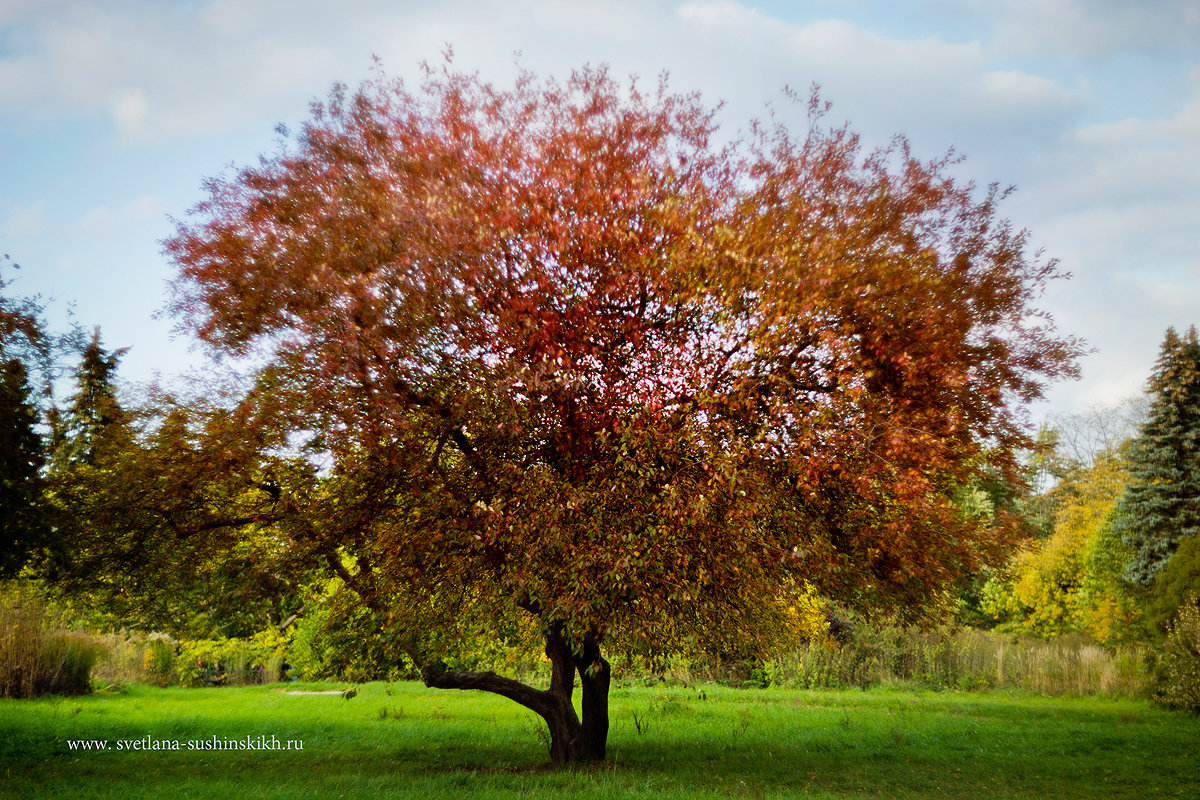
133, 550
1114, 553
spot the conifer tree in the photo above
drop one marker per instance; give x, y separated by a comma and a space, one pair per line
22, 517
93, 409
1161, 506
23, 344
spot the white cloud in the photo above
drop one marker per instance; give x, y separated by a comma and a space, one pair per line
1117, 199
1179, 129
1138, 182
130, 111
1087, 30
938, 92
1121, 206
159, 71
1015, 88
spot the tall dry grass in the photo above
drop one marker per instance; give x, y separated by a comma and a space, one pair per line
964, 659
36, 659
135, 657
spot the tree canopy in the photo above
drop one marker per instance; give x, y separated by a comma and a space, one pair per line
1071, 581
23, 333
554, 350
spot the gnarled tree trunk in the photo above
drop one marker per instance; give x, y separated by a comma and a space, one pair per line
571, 739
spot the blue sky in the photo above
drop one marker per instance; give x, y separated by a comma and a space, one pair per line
113, 111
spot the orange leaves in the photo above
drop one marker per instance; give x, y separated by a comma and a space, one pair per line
617, 369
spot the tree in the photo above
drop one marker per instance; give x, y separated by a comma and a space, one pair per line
23, 522
1047, 472
1099, 431
1071, 581
92, 422
1178, 582
559, 354
1177, 675
94, 411
23, 341
22, 330
1161, 507
167, 527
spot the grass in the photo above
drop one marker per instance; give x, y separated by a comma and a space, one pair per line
402, 740
35, 660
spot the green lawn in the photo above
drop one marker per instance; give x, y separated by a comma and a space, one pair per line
403, 740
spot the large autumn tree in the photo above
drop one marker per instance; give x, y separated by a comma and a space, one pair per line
561, 354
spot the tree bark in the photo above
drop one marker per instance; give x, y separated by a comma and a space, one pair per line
570, 739
565, 728
595, 675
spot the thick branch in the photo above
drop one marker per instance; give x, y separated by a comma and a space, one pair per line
185, 531
541, 702
568, 742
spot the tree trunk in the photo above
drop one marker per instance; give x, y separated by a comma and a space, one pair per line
594, 678
565, 729
570, 739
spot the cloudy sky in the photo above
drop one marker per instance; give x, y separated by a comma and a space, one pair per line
113, 111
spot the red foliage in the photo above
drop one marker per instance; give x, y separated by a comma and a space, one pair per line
561, 350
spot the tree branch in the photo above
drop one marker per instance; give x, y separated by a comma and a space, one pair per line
455, 432
541, 702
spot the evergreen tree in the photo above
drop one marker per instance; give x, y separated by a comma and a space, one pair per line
24, 344
93, 410
22, 511
1161, 506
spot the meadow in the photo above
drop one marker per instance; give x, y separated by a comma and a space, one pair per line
667, 741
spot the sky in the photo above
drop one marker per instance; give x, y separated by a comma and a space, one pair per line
112, 113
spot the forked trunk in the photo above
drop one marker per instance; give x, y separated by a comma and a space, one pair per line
571, 740
566, 731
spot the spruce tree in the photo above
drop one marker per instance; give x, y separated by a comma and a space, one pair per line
94, 408
1161, 506
23, 521
24, 345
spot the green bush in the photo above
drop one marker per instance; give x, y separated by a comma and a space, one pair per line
1178, 673
159, 662
339, 639
1175, 585
231, 662
135, 657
